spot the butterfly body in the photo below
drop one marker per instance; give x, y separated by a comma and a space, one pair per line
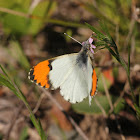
73, 73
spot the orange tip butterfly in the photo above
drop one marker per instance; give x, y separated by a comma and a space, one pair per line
73, 73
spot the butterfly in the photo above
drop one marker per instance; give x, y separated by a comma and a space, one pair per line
73, 73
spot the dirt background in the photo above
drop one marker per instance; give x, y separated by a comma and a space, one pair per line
49, 42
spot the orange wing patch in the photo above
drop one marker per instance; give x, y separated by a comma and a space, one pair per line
39, 74
94, 83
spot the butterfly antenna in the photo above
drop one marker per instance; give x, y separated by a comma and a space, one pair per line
73, 38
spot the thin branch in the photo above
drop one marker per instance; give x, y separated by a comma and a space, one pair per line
131, 28
112, 107
15, 118
101, 108
104, 114
133, 42
132, 23
17, 13
38, 103
13, 122
69, 118
107, 92
49, 20
121, 95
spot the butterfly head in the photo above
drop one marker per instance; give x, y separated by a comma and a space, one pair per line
87, 45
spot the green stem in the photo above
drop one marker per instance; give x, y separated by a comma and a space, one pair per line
123, 63
64, 23
131, 88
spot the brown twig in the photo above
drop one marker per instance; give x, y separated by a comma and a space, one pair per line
133, 42
132, 23
13, 122
104, 114
16, 115
17, 13
101, 108
69, 118
107, 93
131, 28
112, 107
38, 103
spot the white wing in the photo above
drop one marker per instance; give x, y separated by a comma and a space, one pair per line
75, 82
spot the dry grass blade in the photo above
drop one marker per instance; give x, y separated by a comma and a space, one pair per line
112, 108
101, 108
107, 93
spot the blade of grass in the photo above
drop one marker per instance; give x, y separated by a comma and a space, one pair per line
5, 81
48, 8
104, 28
99, 34
113, 53
129, 60
36, 122
111, 43
24, 134
137, 111
4, 72
43, 135
139, 99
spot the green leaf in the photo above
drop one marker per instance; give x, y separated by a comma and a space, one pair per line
24, 134
137, 111
42, 12
35, 122
120, 106
113, 53
14, 23
105, 29
1, 136
51, 5
5, 82
4, 72
129, 60
43, 135
38, 126
100, 35
100, 83
139, 100
84, 107
6, 3
19, 55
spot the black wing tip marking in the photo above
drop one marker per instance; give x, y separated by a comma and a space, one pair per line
30, 74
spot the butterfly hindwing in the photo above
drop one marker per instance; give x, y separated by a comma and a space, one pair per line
94, 83
74, 80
